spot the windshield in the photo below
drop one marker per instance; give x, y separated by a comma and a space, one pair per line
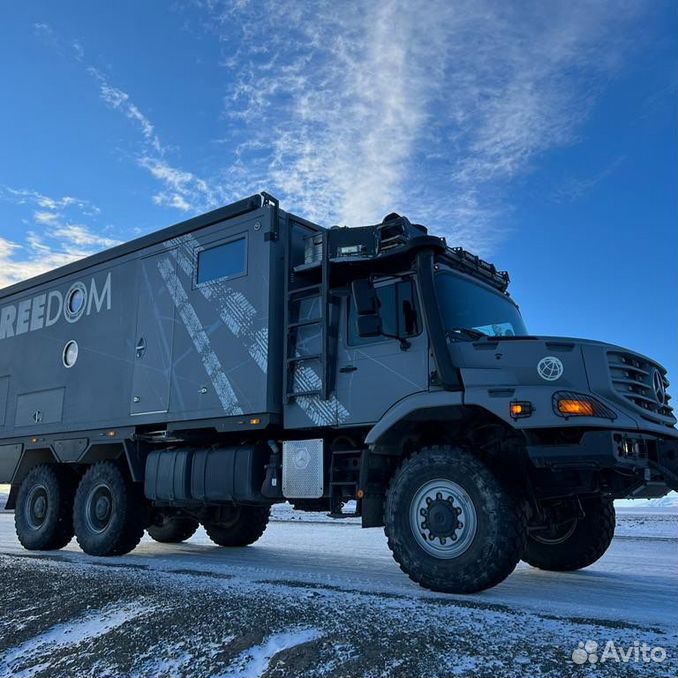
466, 305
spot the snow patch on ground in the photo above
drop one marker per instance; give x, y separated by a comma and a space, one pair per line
285, 512
648, 523
32, 656
255, 661
668, 501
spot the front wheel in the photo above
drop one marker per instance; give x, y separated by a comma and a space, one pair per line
238, 525
574, 543
451, 524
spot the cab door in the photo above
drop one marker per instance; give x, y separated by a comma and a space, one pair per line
373, 374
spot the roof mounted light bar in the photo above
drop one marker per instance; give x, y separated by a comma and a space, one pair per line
474, 265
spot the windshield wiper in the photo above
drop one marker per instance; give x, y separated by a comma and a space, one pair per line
457, 333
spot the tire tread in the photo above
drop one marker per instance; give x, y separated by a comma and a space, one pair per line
501, 557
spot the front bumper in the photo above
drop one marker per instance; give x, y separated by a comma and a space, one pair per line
621, 450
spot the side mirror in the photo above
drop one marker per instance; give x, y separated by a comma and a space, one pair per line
369, 325
367, 306
364, 297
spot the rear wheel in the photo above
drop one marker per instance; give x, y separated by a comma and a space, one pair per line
451, 524
109, 512
43, 517
576, 542
173, 529
238, 525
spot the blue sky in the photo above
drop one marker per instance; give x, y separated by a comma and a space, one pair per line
541, 135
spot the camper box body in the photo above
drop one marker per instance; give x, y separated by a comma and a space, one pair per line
183, 326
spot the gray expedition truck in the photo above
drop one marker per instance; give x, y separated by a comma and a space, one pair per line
245, 357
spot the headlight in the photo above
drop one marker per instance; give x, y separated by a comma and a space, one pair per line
568, 404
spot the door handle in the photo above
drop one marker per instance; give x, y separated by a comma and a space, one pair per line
141, 347
348, 368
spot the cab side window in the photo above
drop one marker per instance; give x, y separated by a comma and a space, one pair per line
399, 314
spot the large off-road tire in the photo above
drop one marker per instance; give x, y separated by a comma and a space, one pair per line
109, 512
578, 544
242, 526
173, 529
43, 516
451, 524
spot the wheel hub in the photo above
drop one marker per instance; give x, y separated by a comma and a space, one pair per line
40, 508
443, 518
99, 508
102, 508
440, 518
37, 504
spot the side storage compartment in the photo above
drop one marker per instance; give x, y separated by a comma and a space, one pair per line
168, 476
229, 474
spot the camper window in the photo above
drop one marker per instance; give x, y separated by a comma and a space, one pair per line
223, 261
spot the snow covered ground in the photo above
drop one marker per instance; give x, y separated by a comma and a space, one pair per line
327, 599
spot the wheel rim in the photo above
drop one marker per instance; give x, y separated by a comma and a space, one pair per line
37, 504
443, 518
99, 508
229, 518
557, 534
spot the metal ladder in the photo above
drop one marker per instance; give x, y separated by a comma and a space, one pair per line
295, 295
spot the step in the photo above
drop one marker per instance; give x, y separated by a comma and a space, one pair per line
303, 358
306, 288
304, 323
301, 394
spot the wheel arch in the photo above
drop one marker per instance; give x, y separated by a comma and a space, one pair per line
412, 417
430, 419
29, 460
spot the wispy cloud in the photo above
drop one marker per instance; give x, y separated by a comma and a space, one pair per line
348, 111
117, 99
429, 107
180, 188
55, 235
573, 188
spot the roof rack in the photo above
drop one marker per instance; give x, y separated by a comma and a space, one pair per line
394, 237
470, 263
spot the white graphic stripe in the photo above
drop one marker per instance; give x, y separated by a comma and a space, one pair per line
200, 340
235, 310
238, 314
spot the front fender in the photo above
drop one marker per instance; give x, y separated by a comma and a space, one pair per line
419, 406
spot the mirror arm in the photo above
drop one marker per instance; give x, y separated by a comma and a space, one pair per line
404, 343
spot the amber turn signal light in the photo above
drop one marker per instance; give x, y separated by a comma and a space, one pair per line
582, 408
521, 408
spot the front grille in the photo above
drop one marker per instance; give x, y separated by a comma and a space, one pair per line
638, 380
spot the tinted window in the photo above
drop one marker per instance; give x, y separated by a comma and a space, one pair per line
470, 305
398, 310
222, 261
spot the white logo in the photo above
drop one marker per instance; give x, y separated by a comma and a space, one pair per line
302, 458
659, 387
587, 652
49, 307
550, 368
